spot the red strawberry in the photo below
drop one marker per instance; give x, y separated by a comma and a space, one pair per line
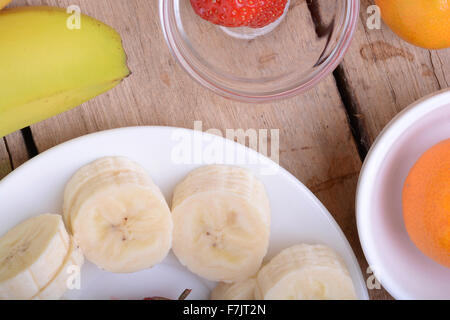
240, 13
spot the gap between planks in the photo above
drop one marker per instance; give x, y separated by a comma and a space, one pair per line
356, 127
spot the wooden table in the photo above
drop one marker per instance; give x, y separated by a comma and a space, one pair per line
324, 134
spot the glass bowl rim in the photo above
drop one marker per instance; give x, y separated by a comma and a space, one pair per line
330, 64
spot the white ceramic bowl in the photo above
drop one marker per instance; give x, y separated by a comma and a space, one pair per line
401, 268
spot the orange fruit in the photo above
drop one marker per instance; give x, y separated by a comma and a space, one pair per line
4, 3
426, 203
424, 23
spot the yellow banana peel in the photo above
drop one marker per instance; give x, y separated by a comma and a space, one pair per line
49, 65
4, 3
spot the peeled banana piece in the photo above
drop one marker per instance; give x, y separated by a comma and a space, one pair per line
104, 167
31, 255
243, 290
49, 64
118, 216
221, 223
60, 283
305, 272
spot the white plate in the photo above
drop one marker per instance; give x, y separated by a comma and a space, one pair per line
400, 267
168, 154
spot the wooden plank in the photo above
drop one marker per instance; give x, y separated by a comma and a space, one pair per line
440, 67
17, 149
315, 140
5, 163
383, 74
13, 153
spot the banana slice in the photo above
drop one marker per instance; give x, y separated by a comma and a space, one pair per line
119, 217
30, 255
108, 166
221, 223
305, 272
60, 282
244, 290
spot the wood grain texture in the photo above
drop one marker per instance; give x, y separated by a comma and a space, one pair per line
384, 74
315, 139
17, 149
5, 163
13, 153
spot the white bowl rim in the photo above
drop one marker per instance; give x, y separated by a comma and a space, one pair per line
371, 166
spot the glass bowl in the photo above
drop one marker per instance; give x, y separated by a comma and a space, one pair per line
281, 60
